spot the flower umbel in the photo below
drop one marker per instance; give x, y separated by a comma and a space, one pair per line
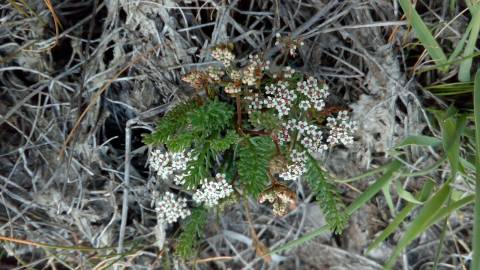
170, 164
170, 209
341, 129
212, 192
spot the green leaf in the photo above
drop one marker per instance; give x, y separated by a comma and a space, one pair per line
407, 196
212, 117
373, 189
421, 222
264, 120
474, 26
219, 144
254, 156
169, 125
452, 129
423, 33
327, 196
393, 226
420, 140
199, 168
476, 226
192, 230
179, 142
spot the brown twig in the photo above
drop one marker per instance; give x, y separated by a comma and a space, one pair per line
260, 248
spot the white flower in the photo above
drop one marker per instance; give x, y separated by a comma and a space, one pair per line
314, 92
341, 129
223, 55
288, 72
304, 105
169, 209
212, 192
280, 97
170, 164
302, 126
232, 89
297, 169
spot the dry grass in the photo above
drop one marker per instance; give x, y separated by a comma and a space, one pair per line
80, 81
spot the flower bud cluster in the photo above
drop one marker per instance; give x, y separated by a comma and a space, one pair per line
223, 55
288, 43
254, 71
281, 198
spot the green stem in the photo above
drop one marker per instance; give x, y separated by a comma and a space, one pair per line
476, 226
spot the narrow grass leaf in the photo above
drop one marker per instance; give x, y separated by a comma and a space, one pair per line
424, 34
420, 223
407, 196
466, 65
393, 226
476, 226
420, 140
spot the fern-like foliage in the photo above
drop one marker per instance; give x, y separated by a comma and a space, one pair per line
192, 230
212, 117
221, 144
171, 123
189, 124
264, 120
254, 156
199, 168
327, 196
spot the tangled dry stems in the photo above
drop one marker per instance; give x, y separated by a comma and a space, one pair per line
86, 91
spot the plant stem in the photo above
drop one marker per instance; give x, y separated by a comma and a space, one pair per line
476, 227
239, 115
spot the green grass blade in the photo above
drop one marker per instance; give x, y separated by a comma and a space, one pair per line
424, 34
407, 196
421, 222
452, 130
446, 63
466, 65
375, 187
388, 198
420, 140
476, 226
393, 167
393, 226
446, 211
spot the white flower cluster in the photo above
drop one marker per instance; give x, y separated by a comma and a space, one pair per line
310, 136
223, 55
254, 70
233, 88
341, 129
297, 169
170, 164
280, 97
212, 192
288, 72
214, 74
169, 209
315, 93
256, 102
